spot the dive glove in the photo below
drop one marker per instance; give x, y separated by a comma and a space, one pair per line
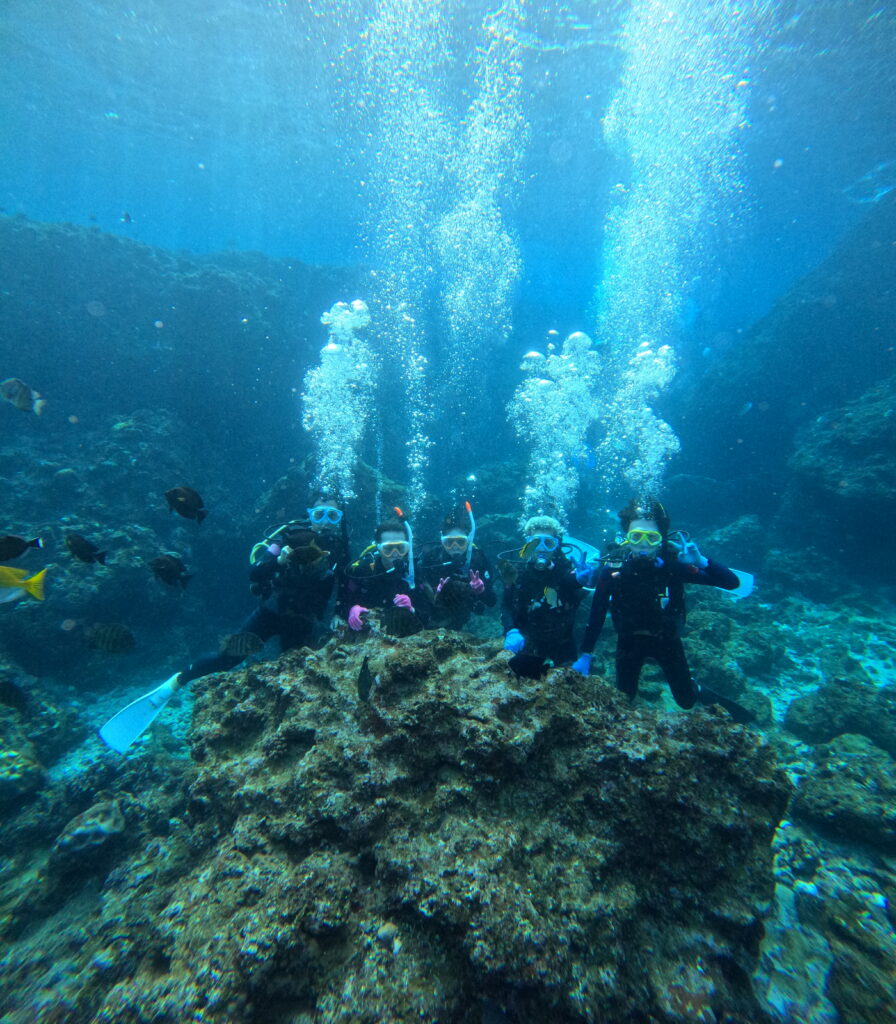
582, 664
514, 641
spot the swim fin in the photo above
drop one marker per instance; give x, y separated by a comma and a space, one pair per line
122, 729
737, 711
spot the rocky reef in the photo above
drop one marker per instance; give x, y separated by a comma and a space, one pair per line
464, 846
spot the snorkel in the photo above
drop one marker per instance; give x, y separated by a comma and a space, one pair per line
471, 535
409, 579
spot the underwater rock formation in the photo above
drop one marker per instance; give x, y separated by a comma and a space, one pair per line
847, 705
844, 306
846, 454
464, 846
850, 793
829, 953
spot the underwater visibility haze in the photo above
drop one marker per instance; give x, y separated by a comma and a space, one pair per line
357, 362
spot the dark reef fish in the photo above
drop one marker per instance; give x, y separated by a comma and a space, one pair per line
307, 554
507, 571
365, 680
17, 393
187, 503
111, 637
83, 549
12, 546
171, 570
241, 645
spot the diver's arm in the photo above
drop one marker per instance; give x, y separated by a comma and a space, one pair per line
713, 574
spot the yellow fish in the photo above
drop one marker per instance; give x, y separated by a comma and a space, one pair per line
527, 549
15, 583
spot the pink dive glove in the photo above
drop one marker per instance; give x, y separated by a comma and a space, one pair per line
402, 601
354, 617
477, 584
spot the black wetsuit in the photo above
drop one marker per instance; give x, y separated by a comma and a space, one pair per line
293, 603
645, 598
542, 604
370, 584
454, 601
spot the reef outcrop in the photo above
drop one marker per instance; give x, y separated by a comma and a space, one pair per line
464, 846
846, 705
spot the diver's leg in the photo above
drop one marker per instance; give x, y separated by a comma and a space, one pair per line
259, 622
670, 656
630, 655
295, 631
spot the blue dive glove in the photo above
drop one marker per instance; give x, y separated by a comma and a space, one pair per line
690, 555
585, 574
514, 641
582, 664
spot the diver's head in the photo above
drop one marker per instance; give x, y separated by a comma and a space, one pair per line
456, 528
393, 543
323, 512
646, 526
543, 537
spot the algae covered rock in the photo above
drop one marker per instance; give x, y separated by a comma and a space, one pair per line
829, 952
846, 705
463, 846
851, 793
20, 774
463, 840
89, 832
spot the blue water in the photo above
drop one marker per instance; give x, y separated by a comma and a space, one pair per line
607, 249
243, 126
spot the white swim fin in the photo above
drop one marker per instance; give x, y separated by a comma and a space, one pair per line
747, 582
122, 729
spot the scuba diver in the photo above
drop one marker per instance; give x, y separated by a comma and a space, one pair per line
384, 578
295, 578
540, 604
328, 523
641, 583
457, 574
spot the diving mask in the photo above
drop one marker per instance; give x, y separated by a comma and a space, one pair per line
542, 542
651, 538
455, 542
321, 514
394, 548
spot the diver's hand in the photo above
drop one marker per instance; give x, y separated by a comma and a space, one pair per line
477, 584
403, 601
514, 641
585, 574
582, 664
354, 619
443, 582
284, 555
689, 554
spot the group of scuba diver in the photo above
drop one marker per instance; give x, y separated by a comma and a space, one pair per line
306, 582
